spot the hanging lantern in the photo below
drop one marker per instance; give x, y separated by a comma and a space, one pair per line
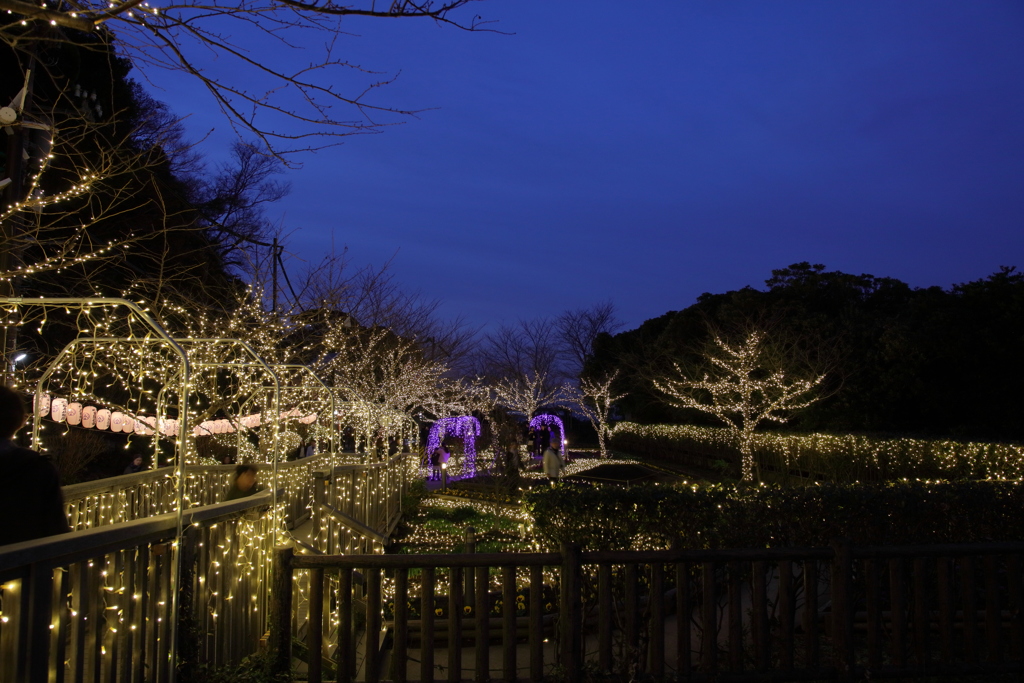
117, 421
58, 409
42, 404
73, 414
102, 419
170, 427
89, 417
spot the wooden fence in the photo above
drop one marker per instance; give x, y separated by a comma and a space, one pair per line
101, 604
356, 507
838, 613
153, 492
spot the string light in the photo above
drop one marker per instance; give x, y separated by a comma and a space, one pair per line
855, 456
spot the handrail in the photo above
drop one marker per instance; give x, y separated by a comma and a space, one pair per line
88, 488
648, 556
354, 524
70, 547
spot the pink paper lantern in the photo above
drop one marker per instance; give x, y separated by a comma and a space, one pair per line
102, 419
58, 409
117, 421
73, 414
89, 417
42, 404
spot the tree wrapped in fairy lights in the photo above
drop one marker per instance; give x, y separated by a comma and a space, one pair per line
746, 386
594, 399
527, 393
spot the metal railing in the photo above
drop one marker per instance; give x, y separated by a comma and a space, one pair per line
838, 613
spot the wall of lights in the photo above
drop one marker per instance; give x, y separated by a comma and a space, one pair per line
848, 456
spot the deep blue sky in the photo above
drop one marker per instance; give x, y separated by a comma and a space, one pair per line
650, 152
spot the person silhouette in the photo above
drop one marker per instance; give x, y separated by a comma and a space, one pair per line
31, 503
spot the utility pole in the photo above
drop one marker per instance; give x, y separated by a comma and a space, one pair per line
273, 258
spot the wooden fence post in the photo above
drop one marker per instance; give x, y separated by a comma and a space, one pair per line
281, 612
842, 617
570, 623
469, 594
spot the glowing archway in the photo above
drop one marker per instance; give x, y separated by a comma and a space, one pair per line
547, 421
465, 427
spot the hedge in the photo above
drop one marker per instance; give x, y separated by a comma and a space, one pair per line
828, 457
770, 515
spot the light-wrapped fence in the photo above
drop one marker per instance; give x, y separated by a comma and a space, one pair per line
838, 613
356, 507
96, 604
832, 457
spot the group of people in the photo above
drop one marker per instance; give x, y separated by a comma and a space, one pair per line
438, 461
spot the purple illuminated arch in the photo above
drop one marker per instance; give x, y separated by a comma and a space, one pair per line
548, 420
465, 427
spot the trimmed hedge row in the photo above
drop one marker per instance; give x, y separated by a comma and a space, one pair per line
717, 516
827, 457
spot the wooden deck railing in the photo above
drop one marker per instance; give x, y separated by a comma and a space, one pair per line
152, 492
838, 613
99, 603
102, 604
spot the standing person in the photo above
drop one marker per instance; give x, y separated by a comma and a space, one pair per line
134, 466
31, 503
552, 464
435, 464
244, 484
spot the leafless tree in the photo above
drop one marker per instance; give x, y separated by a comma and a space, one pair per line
527, 393
578, 328
528, 348
594, 399
251, 56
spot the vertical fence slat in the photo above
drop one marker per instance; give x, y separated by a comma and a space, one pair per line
483, 626
898, 616
993, 618
873, 595
281, 612
735, 598
536, 623
40, 616
786, 612
371, 659
922, 621
315, 629
605, 618
759, 614
508, 621
455, 624
427, 625
684, 609
570, 613
944, 588
709, 625
346, 652
970, 609
842, 610
1016, 605
810, 616
59, 658
400, 657
629, 618
142, 612
656, 600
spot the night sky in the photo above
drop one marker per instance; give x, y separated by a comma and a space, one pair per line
649, 152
